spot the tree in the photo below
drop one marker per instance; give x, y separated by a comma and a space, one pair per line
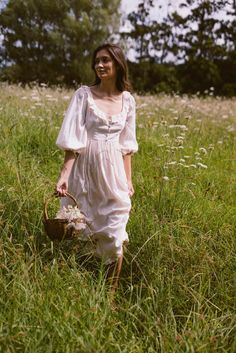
140, 33
199, 44
52, 40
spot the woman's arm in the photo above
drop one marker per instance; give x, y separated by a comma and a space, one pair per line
62, 184
128, 171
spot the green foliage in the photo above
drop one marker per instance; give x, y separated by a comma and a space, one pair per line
197, 45
47, 40
177, 291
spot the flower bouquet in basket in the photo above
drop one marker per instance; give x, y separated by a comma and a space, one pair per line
69, 221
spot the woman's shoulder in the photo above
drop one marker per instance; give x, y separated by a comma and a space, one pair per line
82, 91
129, 97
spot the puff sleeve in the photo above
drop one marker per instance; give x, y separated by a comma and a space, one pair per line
73, 134
128, 142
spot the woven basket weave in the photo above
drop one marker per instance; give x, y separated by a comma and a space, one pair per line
55, 228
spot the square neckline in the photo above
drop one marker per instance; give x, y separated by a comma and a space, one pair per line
100, 110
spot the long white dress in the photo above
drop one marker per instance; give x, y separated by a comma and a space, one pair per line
98, 180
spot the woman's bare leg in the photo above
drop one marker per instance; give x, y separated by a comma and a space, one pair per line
114, 275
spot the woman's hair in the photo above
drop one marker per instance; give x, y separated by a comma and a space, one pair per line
122, 80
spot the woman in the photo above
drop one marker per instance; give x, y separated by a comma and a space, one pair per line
98, 136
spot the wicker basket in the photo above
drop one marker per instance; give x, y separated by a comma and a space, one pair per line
57, 229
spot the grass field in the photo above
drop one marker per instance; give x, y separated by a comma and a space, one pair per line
177, 291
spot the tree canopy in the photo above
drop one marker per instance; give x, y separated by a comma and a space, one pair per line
189, 50
52, 40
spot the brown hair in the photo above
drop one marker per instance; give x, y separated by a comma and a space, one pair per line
122, 80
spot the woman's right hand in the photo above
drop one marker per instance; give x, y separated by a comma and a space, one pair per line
62, 186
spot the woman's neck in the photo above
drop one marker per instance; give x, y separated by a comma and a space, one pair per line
108, 87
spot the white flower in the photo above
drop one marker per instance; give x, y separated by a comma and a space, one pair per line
202, 165
172, 163
202, 149
166, 178
182, 127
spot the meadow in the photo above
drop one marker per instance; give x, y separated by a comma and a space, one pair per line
177, 289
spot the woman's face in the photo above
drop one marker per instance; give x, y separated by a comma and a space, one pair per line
105, 65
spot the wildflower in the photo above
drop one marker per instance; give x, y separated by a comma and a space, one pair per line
182, 127
204, 166
171, 163
179, 138
182, 160
202, 149
193, 166
166, 178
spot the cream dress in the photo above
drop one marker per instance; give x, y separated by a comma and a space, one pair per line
98, 179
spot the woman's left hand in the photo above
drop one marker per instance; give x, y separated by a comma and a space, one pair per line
130, 188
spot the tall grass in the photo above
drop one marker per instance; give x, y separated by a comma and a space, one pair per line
177, 291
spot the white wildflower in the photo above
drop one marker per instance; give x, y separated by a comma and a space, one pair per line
182, 160
204, 166
166, 178
193, 166
176, 126
203, 150
171, 163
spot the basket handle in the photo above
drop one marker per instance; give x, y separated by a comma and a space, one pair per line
55, 194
